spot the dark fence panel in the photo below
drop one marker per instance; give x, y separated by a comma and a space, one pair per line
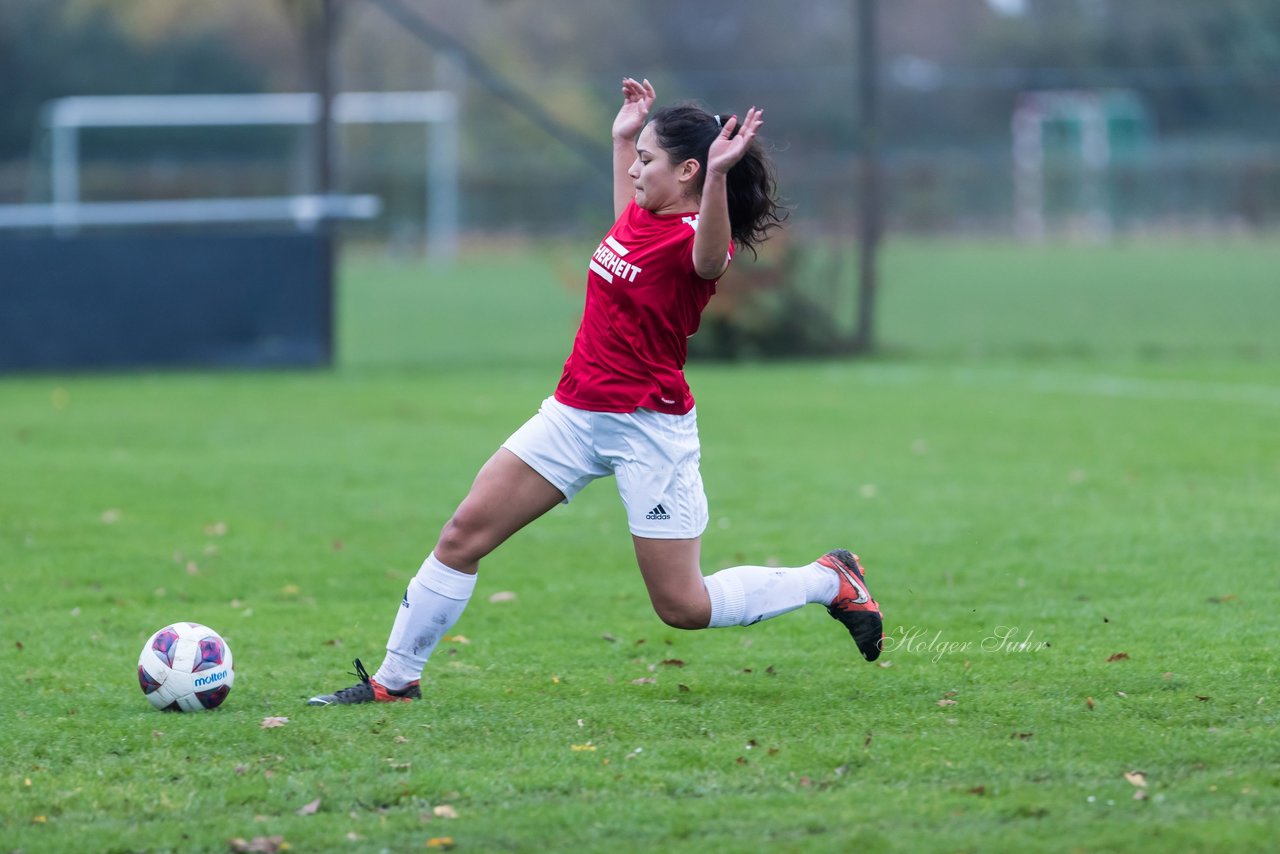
165, 300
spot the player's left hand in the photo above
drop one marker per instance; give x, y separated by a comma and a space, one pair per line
725, 152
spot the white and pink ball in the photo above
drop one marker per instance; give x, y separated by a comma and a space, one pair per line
186, 667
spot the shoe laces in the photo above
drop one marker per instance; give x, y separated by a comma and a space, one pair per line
365, 682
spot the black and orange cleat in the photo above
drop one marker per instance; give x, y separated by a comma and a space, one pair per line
853, 606
367, 691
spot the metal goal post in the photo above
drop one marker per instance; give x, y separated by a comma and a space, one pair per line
437, 110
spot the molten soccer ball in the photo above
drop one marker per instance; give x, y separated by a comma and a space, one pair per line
186, 667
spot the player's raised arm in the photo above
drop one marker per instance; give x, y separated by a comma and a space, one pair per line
711, 244
637, 99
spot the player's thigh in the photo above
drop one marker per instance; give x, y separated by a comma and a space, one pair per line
506, 495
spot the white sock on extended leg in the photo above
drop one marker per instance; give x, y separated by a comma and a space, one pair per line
744, 595
432, 604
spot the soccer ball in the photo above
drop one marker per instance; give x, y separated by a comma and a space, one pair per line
186, 667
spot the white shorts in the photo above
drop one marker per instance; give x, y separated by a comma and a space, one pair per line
653, 456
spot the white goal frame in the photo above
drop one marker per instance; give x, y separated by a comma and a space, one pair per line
1032, 112
438, 111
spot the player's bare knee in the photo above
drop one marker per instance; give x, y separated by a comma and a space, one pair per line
679, 615
460, 542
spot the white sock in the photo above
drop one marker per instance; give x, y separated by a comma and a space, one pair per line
432, 604
745, 595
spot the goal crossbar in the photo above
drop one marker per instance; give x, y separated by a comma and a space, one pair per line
437, 110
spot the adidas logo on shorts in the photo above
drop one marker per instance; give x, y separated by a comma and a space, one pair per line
657, 513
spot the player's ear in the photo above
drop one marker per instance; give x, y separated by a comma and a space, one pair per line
688, 170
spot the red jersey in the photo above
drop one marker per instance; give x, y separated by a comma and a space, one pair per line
644, 300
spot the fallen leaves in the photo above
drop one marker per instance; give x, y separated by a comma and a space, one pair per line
444, 811
1119, 656
1139, 780
309, 809
503, 596
259, 844
273, 722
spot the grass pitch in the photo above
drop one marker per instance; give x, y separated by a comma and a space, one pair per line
1068, 511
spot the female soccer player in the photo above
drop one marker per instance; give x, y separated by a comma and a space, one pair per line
687, 187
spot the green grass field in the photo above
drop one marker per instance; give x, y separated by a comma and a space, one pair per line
1063, 476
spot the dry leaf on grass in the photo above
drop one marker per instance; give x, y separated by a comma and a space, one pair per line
444, 811
309, 809
946, 702
1137, 778
272, 722
259, 844
503, 596
1119, 656
444, 843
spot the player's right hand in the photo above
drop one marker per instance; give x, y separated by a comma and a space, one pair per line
637, 100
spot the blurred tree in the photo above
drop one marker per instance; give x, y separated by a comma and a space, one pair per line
55, 49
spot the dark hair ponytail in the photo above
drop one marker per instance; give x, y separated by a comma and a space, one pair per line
686, 131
